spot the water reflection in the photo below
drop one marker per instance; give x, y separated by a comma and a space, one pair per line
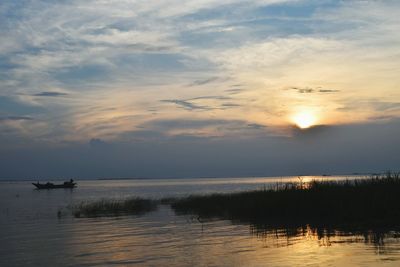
163, 239
327, 236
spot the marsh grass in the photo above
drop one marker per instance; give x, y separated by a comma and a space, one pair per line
113, 207
364, 202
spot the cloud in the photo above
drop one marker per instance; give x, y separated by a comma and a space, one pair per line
383, 117
97, 143
189, 104
213, 97
234, 91
321, 151
380, 106
256, 126
143, 135
230, 105
205, 128
276, 52
385, 106
51, 94
188, 124
328, 91
309, 90
205, 81
186, 104
303, 90
16, 118
207, 56
311, 132
14, 106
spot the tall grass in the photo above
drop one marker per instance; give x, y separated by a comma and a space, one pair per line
113, 207
373, 201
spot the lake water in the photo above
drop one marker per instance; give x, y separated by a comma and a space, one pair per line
34, 233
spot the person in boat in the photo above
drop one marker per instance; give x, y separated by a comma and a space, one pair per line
70, 182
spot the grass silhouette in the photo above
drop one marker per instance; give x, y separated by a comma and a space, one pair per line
372, 201
113, 207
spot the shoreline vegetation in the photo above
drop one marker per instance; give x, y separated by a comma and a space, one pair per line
113, 207
370, 202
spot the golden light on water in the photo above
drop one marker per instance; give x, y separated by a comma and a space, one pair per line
304, 119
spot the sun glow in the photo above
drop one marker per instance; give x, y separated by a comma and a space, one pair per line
304, 120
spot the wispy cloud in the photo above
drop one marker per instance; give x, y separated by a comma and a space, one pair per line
380, 106
234, 91
230, 105
308, 90
207, 56
328, 91
304, 90
51, 94
16, 118
205, 81
212, 97
201, 127
129, 71
186, 104
190, 104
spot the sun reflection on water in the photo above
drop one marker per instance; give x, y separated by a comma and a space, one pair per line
161, 238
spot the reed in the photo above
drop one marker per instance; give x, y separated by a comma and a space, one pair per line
113, 207
372, 201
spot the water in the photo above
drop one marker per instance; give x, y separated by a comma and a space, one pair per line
34, 234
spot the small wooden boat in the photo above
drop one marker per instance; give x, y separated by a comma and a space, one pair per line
48, 185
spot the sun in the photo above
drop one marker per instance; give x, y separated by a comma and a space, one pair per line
304, 120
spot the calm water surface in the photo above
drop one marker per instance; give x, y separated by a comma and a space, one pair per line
34, 234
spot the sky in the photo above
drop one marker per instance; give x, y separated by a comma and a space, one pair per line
198, 88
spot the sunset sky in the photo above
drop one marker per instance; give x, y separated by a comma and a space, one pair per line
167, 88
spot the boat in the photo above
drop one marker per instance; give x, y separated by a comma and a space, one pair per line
48, 185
